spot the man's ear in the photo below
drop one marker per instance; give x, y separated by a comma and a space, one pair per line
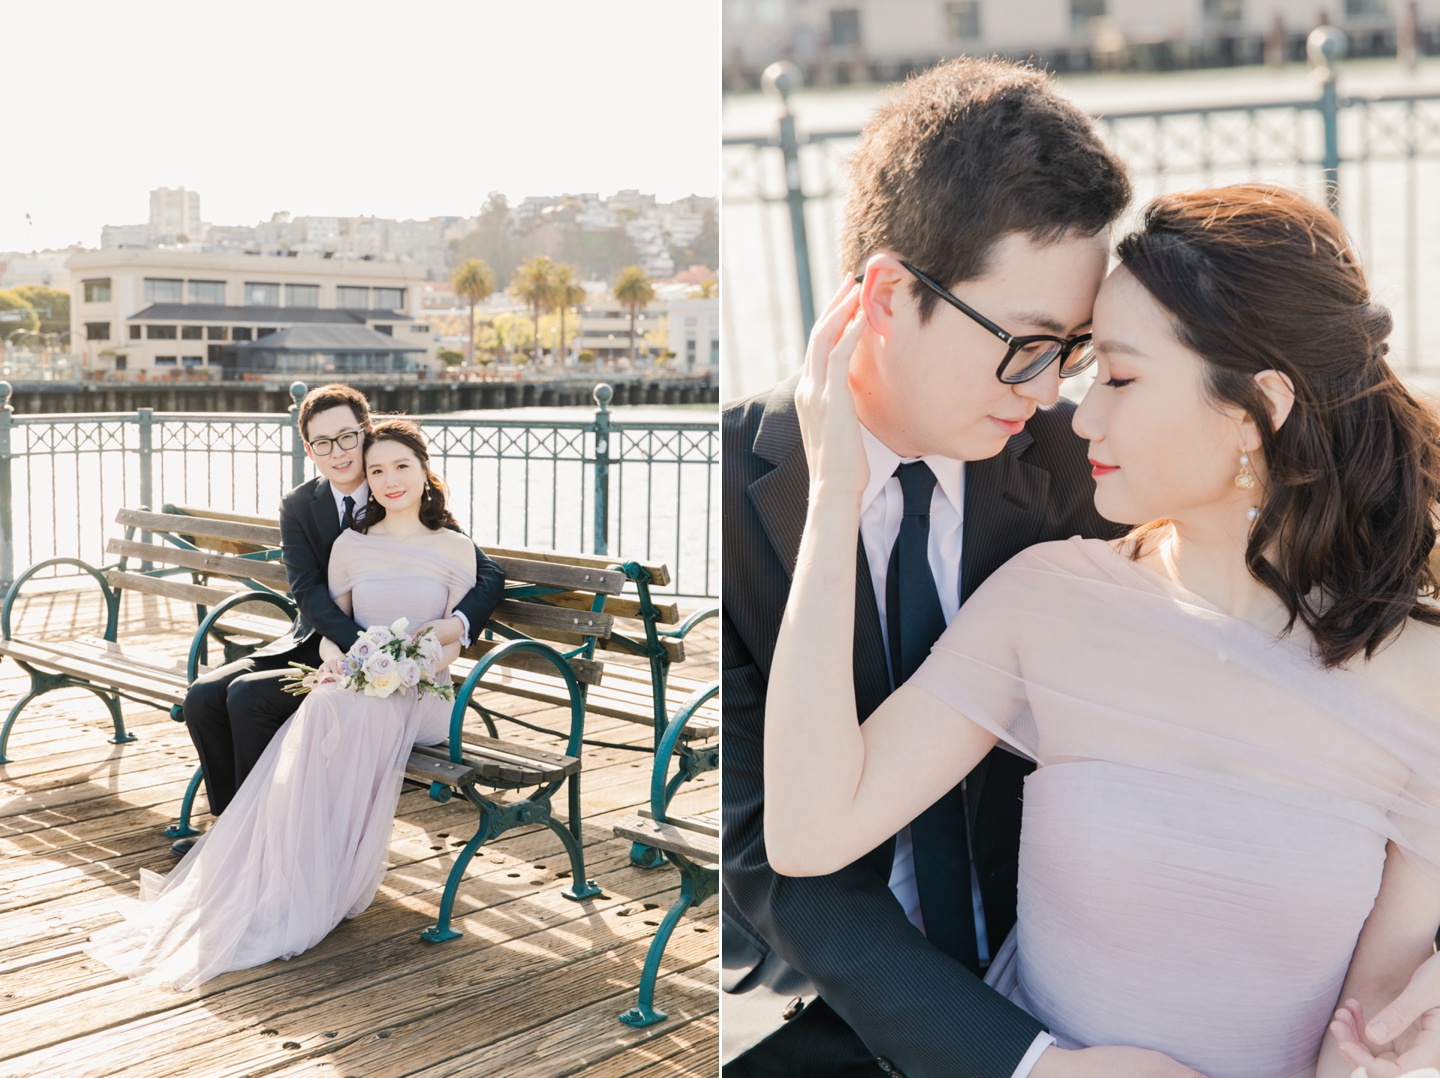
883, 292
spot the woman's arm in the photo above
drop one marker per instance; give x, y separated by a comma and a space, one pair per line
1398, 937
835, 789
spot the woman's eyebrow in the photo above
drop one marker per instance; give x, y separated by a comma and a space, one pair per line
1117, 346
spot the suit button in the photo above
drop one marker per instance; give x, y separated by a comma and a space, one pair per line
793, 1008
888, 1067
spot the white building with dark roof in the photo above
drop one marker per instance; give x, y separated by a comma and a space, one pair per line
159, 309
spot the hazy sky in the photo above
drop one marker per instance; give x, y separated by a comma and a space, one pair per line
409, 109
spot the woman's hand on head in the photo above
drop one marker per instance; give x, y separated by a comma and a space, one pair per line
823, 400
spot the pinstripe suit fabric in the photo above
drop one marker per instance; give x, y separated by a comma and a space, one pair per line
922, 1011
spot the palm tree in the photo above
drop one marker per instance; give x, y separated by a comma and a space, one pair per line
709, 288
634, 290
534, 285
568, 292
473, 282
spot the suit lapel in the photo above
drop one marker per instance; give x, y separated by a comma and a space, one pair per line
781, 498
327, 521
1005, 506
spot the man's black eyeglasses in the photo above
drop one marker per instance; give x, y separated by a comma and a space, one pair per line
346, 439
1027, 357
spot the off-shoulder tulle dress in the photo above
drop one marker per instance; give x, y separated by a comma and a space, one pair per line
302, 846
1204, 836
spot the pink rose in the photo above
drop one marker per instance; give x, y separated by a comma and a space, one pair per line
379, 665
363, 648
409, 671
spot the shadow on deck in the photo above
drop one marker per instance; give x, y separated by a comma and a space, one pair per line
533, 989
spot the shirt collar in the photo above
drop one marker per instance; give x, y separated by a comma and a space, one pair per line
949, 473
360, 494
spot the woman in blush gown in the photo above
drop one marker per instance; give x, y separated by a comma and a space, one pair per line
303, 844
1234, 825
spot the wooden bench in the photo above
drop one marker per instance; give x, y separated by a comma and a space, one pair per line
233, 569
690, 843
575, 603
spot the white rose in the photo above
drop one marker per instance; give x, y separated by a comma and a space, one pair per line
399, 625
363, 648
380, 664
383, 685
409, 671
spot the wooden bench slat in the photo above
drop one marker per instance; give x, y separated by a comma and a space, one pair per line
634, 709
170, 589
695, 845
586, 671
499, 760
178, 524
266, 572
557, 575
669, 613
522, 616
125, 656
659, 573
201, 512
150, 687
708, 824
675, 649
426, 769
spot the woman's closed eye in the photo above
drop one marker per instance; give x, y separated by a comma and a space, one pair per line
1116, 383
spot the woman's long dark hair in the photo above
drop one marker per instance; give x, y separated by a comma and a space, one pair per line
433, 512
1261, 278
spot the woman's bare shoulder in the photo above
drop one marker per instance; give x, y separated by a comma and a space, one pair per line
1406, 664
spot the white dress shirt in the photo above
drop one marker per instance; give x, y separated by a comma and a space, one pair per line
882, 507
361, 494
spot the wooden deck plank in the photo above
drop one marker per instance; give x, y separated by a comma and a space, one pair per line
536, 982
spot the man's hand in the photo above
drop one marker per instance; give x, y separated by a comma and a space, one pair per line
447, 630
1109, 1062
1417, 1046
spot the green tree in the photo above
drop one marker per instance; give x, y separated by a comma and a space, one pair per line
494, 240
534, 285
474, 283
28, 319
704, 249
706, 289
40, 297
568, 293
634, 290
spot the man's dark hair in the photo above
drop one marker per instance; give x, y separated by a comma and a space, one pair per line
334, 395
966, 153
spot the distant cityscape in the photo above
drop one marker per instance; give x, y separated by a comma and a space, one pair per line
177, 296
599, 235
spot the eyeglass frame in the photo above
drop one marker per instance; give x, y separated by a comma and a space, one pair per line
1067, 344
334, 441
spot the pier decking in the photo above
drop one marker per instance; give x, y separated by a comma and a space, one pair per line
533, 989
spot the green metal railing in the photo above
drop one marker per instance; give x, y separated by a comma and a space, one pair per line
1367, 156
600, 484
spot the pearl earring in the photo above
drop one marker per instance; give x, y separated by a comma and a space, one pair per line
1246, 481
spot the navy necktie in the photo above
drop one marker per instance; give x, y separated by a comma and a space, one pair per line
348, 520
913, 616
914, 620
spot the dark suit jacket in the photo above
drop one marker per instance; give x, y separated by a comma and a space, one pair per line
309, 526
846, 933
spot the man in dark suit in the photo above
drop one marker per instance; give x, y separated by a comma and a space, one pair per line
234, 711
978, 178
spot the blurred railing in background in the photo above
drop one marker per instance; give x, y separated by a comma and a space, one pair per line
1370, 156
640, 490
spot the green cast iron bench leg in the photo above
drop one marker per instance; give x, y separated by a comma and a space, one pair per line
696, 885
182, 829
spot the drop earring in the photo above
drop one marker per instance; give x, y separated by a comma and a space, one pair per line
1246, 481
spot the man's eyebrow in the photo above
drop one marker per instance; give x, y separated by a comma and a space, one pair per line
1044, 321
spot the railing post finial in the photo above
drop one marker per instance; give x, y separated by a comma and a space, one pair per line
1326, 47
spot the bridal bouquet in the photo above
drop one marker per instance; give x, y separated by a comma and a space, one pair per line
380, 662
